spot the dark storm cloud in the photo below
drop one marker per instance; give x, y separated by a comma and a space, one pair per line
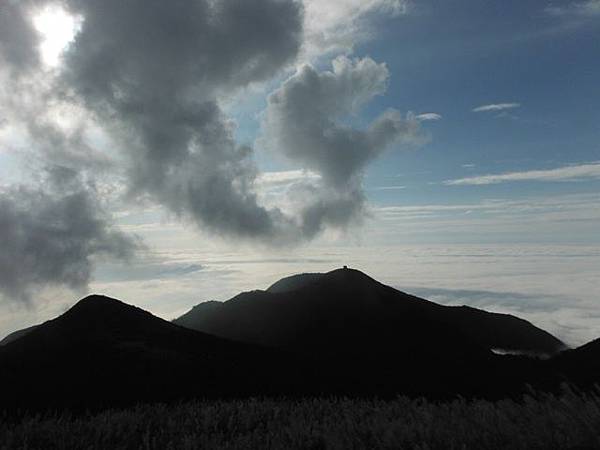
50, 235
305, 119
154, 71
18, 39
151, 73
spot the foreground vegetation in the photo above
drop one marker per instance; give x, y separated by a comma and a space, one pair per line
538, 421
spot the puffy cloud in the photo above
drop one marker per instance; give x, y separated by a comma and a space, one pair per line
151, 75
51, 235
335, 26
154, 71
304, 121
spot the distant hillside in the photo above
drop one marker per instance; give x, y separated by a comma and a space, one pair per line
17, 334
581, 365
341, 333
293, 282
105, 352
321, 312
349, 321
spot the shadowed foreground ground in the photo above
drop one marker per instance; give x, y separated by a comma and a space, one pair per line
544, 421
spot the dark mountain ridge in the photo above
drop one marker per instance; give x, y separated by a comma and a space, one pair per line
580, 365
293, 282
17, 334
340, 333
105, 352
298, 309
396, 341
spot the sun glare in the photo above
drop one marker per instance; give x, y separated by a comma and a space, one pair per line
57, 29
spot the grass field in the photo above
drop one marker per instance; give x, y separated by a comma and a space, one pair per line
538, 421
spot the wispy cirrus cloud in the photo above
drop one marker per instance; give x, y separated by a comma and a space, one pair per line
496, 107
388, 188
428, 116
576, 207
285, 177
579, 172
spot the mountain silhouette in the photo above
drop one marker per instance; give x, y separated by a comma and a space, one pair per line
17, 334
105, 352
348, 321
294, 282
580, 365
339, 333
327, 312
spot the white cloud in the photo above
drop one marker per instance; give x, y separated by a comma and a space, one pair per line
285, 177
57, 29
304, 121
335, 26
428, 116
584, 203
566, 173
494, 107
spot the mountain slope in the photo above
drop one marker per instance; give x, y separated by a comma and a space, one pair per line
294, 282
392, 341
329, 309
580, 365
340, 333
105, 352
17, 334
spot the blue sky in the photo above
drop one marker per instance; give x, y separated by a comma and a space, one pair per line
449, 58
461, 127
455, 56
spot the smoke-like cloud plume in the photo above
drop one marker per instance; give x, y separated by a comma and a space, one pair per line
154, 71
51, 235
304, 121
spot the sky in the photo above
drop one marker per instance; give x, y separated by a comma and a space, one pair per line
169, 153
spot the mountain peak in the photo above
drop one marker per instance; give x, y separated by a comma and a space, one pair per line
99, 312
346, 273
97, 303
293, 282
98, 299
320, 311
